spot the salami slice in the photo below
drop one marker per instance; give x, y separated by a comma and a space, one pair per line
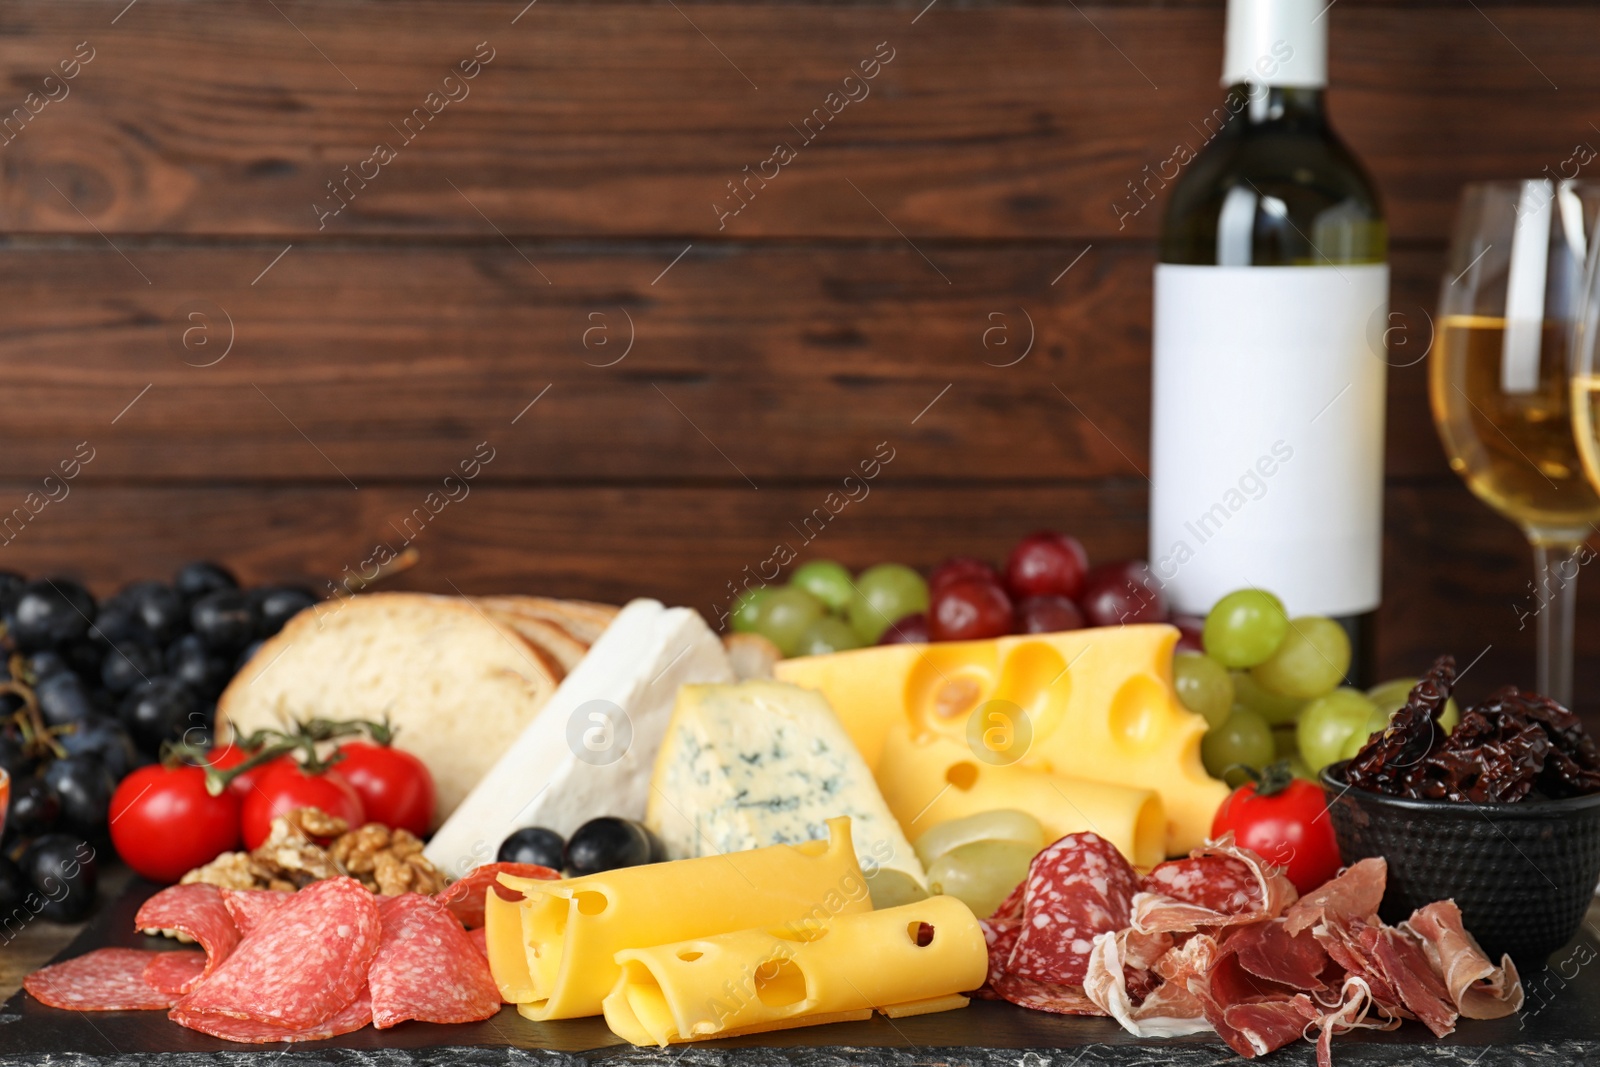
480, 940
465, 898
1218, 885
249, 906
196, 910
1076, 888
175, 973
307, 962
426, 967
107, 979
353, 1017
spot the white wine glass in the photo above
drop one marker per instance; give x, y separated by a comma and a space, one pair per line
1499, 381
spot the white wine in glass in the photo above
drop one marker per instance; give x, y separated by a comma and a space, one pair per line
1499, 380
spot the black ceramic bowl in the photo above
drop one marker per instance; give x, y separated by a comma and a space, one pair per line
1523, 874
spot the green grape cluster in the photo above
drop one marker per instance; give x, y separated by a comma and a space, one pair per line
1270, 687
824, 609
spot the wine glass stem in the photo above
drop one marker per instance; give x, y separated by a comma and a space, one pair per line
1556, 582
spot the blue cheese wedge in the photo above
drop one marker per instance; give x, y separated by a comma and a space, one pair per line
766, 763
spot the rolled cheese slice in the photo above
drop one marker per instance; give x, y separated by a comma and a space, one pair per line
553, 953
909, 960
930, 779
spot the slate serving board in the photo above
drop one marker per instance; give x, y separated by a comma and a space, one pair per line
1560, 1026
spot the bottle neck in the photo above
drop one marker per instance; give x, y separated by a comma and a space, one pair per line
1294, 107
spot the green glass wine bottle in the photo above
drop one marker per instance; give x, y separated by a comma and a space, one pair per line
1271, 305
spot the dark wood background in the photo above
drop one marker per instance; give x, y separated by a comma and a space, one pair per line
561, 215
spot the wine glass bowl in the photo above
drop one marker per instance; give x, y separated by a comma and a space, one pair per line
1500, 380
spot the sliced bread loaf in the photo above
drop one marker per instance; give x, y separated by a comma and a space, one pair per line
458, 684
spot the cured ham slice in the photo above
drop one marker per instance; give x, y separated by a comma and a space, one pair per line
1477, 988
1354, 894
1167, 1009
1267, 950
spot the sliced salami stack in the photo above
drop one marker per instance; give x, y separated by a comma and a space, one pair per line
289, 967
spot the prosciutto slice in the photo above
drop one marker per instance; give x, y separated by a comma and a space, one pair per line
1220, 941
1476, 987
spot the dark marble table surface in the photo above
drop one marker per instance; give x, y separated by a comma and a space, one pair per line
1560, 1026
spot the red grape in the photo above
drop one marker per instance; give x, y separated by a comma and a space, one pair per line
911, 630
968, 610
1189, 629
1047, 562
1048, 615
959, 568
1122, 593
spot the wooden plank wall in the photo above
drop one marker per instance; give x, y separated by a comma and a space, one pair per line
283, 272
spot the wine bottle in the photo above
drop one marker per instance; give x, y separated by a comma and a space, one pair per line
1271, 303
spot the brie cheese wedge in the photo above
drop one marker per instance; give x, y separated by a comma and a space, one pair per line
591, 749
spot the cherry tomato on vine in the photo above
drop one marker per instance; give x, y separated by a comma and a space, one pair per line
1285, 820
286, 786
226, 757
164, 823
395, 787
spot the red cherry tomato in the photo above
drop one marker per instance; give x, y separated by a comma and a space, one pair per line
395, 787
225, 757
164, 823
970, 609
1047, 563
1289, 827
286, 786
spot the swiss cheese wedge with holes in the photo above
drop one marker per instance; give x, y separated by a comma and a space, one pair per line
1093, 704
553, 953
910, 960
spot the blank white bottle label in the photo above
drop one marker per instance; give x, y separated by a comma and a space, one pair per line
1267, 435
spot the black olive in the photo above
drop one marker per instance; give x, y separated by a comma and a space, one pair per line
126, 665
608, 842
278, 604
194, 664
105, 739
159, 606
61, 869
195, 580
50, 612
84, 786
158, 710
35, 809
63, 698
225, 620
533, 844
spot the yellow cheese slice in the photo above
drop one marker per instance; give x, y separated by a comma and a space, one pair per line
772, 978
930, 779
553, 953
1094, 704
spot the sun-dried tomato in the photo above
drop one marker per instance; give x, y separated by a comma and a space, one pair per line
1512, 746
